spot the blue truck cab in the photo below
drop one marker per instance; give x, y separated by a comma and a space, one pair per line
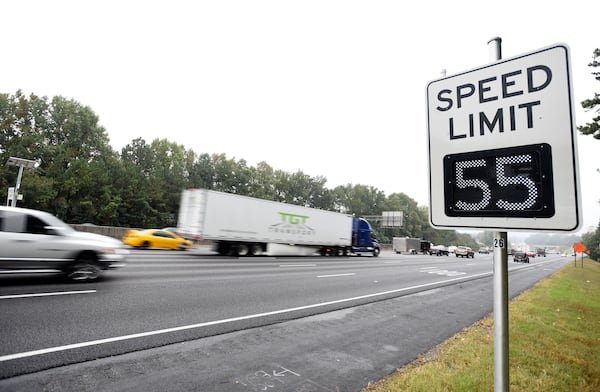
363, 238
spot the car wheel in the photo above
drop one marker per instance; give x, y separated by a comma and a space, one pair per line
145, 245
84, 270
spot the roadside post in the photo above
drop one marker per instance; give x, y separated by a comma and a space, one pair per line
503, 156
579, 248
21, 163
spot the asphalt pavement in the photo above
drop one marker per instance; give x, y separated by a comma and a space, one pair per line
342, 350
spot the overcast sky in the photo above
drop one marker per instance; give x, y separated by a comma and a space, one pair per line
331, 88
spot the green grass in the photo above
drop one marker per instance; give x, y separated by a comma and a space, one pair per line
554, 343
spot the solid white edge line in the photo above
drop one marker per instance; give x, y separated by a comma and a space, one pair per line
296, 265
10, 357
47, 294
335, 275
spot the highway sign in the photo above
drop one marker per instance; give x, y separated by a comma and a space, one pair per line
502, 146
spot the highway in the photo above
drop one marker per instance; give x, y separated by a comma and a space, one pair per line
247, 323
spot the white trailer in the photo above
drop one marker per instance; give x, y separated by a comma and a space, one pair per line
406, 245
244, 225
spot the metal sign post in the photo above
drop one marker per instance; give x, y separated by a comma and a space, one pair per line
501, 376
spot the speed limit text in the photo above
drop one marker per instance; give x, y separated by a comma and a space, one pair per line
519, 83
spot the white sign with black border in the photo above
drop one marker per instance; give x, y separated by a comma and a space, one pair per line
502, 146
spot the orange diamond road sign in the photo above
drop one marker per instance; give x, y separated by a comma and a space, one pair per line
579, 247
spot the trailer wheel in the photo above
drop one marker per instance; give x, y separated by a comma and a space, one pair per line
252, 249
243, 250
224, 249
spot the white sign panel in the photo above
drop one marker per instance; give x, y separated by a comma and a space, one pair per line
502, 146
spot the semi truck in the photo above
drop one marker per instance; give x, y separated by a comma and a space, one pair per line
244, 226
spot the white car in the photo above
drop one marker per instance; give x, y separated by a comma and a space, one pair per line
34, 241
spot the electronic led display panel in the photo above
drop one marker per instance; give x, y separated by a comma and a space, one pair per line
506, 182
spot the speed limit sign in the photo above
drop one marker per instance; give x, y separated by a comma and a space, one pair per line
502, 146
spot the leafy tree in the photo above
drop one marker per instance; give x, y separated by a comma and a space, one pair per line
74, 145
359, 200
261, 183
593, 128
592, 243
140, 155
486, 238
227, 174
21, 120
202, 172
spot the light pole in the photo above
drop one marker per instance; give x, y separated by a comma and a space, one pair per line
21, 163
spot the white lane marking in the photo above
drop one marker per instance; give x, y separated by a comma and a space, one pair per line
335, 275
297, 265
31, 271
436, 270
26, 354
47, 294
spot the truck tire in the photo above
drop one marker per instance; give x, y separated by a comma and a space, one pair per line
376, 252
253, 249
243, 250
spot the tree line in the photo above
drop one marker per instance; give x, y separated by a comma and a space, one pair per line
81, 179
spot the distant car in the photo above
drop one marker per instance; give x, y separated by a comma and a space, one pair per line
530, 254
156, 238
464, 251
484, 251
520, 257
33, 241
438, 250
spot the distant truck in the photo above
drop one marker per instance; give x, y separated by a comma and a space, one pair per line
245, 226
410, 245
540, 252
406, 245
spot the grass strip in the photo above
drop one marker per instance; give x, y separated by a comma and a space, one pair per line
554, 343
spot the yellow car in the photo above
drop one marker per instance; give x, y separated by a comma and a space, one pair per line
155, 238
